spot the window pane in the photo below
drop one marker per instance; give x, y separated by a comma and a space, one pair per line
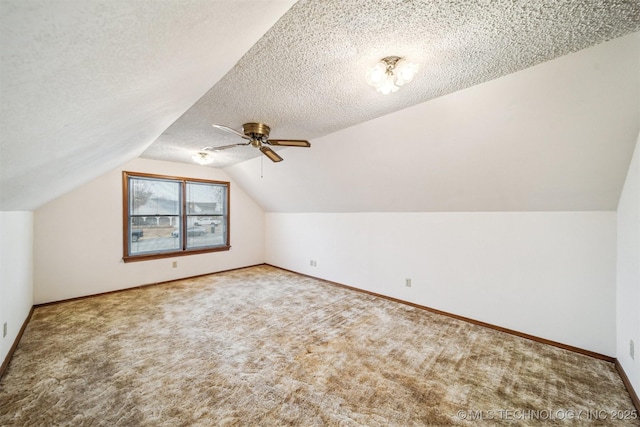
151, 197
205, 199
152, 234
205, 231
154, 207
205, 209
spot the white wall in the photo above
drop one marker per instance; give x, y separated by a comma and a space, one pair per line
628, 269
16, 274
551, 275
78, 238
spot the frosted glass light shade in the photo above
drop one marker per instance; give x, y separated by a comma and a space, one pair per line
202, 157
377, 74
405, 72
388, 86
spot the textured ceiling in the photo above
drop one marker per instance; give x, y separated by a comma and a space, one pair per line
86, 86
555, 137
305, 77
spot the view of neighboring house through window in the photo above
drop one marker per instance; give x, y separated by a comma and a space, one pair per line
169, 216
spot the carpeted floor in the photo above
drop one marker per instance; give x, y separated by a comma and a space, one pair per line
262, 346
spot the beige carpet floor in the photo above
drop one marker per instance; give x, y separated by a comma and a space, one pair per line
265, 347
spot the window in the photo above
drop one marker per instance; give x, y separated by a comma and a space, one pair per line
169, 216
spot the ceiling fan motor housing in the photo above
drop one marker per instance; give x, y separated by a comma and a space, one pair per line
256, 130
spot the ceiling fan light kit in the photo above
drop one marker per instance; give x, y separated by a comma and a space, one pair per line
390, 73
257, 135
203, 157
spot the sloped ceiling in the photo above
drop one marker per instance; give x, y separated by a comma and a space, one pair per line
87, 86
555, 137
305, 77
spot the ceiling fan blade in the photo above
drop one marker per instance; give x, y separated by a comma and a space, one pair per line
223, 147
233, 131
289, 142
272, 155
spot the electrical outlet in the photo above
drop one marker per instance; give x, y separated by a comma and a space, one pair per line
4, 330
313, 263
407, 283
631, 349
174, 264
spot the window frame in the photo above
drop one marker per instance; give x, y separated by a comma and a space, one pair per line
183, 215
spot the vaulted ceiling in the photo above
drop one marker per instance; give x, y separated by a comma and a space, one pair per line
517, 106
86, 86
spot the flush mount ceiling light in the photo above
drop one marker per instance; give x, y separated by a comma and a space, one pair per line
390, 73
203, 157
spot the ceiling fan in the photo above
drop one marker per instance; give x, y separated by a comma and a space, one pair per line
257, 135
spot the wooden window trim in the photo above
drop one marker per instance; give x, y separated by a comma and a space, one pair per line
183, 215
